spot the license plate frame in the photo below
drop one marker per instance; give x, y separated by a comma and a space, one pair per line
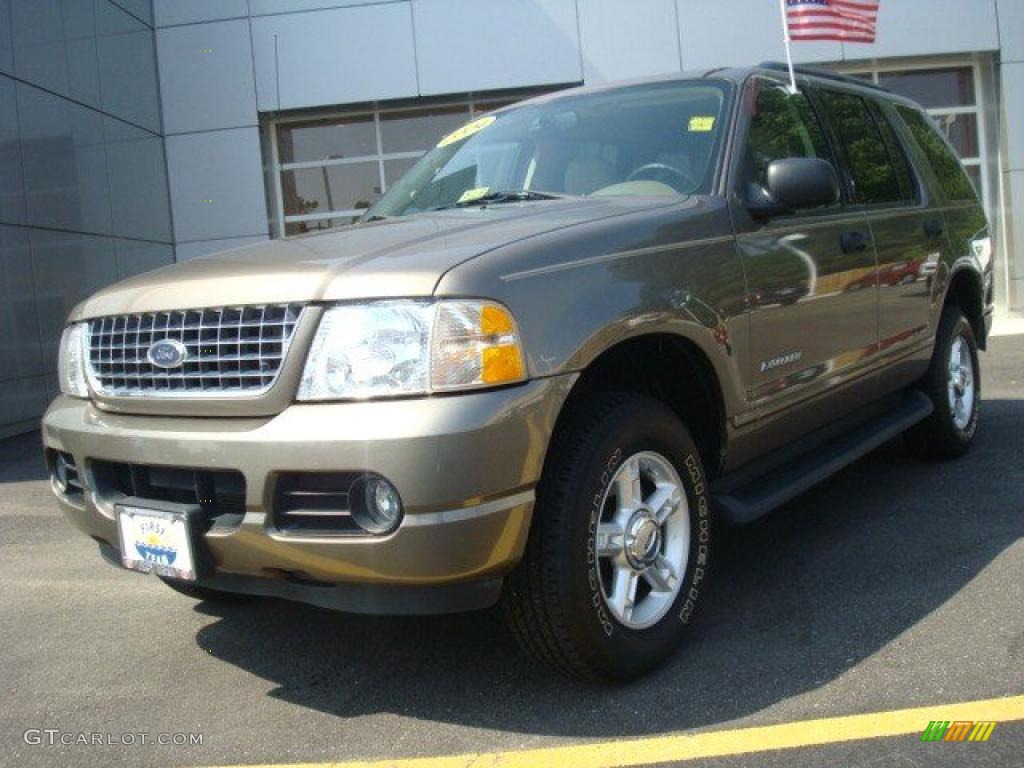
160, 538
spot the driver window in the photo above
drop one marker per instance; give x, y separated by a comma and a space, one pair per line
783, 125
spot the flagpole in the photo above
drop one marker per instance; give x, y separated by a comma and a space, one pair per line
789, 52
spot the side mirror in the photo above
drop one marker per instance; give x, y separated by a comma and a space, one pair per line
795, 183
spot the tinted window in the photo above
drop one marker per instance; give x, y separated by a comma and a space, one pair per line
896, 155
874, 178
940, 156
783, 125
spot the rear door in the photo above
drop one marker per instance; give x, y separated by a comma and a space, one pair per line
908, 233
811, 330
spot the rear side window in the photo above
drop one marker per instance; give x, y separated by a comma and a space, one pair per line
940, 155
875, 179
900, 164
783, 125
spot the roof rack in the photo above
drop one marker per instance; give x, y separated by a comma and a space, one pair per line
824, 73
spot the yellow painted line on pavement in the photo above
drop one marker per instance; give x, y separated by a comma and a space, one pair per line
682, 747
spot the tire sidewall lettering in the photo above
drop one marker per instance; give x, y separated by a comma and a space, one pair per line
697, 562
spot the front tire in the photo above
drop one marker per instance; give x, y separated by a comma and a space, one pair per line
618, 552
953, 383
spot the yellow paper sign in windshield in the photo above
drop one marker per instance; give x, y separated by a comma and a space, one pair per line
701, 124
466, 131
473, 194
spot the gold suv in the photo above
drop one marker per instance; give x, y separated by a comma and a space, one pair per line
577, 333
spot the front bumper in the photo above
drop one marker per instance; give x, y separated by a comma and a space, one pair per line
465, 466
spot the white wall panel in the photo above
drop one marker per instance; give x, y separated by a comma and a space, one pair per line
216, 182
924, 27
266, 7
206, 78
1011, 29
718, 34
626, 40
189, 251
141, 9
339, 56
6, 38
168, 12
136, 256
1013, 104
469, 45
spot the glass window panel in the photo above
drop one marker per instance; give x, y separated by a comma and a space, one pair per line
396, 169
330, 188
874, 177
962, 132
940, 157
901, 167
421, 129
783, 126
326, 139
933, 88
974, 174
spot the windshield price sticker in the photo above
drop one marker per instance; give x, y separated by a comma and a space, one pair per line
473, 194
466, 131
701, 124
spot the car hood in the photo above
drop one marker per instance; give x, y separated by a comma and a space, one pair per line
386, 259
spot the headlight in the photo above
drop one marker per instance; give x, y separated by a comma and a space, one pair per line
71, 363
391, 348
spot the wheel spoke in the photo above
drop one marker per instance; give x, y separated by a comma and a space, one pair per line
628, 485
664, 501
662, 575
610, 540
623, 592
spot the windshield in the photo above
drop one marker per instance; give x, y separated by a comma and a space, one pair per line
655, 140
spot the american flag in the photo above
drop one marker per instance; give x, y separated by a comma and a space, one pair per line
848, 21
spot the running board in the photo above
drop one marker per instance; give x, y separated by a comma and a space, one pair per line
753, 497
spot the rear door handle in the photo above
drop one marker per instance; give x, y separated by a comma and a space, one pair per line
854, 242
933, 228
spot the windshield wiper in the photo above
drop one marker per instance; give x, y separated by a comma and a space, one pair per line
502, 196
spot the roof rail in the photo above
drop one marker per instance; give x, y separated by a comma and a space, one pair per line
823, 73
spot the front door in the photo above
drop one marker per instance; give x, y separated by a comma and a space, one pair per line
810, 276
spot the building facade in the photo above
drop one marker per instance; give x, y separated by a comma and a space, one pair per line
136, 133
83, 180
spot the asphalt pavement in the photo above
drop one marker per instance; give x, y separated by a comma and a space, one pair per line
897, 584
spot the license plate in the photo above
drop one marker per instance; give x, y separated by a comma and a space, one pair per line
154, 541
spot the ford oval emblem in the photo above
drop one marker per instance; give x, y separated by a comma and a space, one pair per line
167, 353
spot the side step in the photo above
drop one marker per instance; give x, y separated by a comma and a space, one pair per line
744, 499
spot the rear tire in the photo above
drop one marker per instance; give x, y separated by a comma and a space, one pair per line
953, 383
618, 551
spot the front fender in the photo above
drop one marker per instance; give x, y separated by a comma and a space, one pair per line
576, 293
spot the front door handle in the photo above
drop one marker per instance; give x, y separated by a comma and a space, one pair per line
854, 242
933, 228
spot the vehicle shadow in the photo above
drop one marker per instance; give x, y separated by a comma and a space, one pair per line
799, 598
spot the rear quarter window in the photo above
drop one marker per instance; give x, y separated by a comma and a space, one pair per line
951, 175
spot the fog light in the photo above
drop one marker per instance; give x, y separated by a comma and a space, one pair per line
60, 472
66, 479
375, 504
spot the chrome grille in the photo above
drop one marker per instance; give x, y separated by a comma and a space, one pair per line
230, 351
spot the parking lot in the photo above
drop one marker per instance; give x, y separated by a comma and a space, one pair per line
898, 584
